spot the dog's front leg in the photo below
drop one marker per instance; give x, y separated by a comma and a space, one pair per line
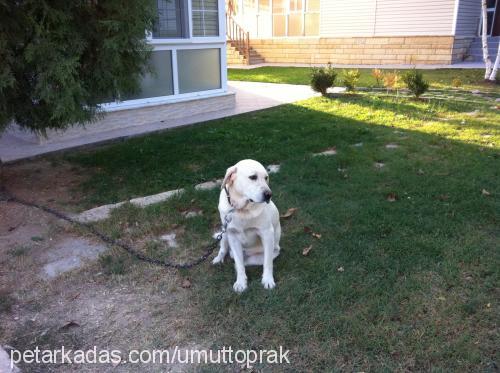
241, 277
267, 238
222, 251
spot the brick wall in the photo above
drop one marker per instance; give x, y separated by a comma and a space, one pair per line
140, 116
357, 50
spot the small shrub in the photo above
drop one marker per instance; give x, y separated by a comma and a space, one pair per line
379, 77
112, 265
350, 79
391, 80
415, 82
322, 78
456, 83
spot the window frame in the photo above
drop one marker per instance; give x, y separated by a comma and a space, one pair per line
201, 42
195, 39
488, 10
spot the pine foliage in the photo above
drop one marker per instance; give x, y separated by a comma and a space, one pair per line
59, 59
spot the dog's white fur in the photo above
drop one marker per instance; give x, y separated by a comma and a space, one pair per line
253, 234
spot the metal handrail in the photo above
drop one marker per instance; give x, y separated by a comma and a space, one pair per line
239, 38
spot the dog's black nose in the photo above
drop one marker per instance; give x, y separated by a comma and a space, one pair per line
267, 195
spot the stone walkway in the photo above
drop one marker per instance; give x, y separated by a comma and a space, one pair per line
250, 96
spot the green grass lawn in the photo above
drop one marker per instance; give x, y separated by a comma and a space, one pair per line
419, 285
439, 78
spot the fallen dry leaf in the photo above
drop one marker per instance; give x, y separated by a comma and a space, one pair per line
69, 325
485, 192
289, 213
340, 269
392, 197
306, 251
307, 229
316, 235
186, 284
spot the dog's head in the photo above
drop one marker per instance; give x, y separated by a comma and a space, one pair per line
247, 181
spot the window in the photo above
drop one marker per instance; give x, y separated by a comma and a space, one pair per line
205, 18
172, 19
296, 17
198, 69
264, 6
295, 5
491, 18
279, 6
157, 83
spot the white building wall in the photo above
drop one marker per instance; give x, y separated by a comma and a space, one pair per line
386, 17
468, 15
347, 18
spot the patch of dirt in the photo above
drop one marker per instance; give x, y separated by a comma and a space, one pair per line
143, 308
54, 184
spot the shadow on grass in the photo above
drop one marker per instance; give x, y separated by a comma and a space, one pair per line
403, 299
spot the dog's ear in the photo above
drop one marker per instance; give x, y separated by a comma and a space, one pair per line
230, 176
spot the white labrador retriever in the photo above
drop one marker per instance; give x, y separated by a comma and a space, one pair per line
253, 233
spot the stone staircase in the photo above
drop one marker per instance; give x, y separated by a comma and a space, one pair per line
476, 49
237, 57
239, 49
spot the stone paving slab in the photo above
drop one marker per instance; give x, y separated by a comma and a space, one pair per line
70, 254
103, 212
5, 365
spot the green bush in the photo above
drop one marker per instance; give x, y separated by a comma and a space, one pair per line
350, 79
415, 82
322, 78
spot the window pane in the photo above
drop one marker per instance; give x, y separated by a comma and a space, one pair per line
198, 69
204, 4
312, 5
279, 25
295, 24
205, 23
264, 6
159, 83
490, 3
312, 24
279, 6
205, 18
295, 5
171, 21
489, 25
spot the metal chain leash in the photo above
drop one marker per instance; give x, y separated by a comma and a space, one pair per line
5, 196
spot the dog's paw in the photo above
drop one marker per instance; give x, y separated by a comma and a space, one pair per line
240, 286
219, 259
268, 282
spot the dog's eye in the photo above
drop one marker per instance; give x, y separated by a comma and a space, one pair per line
267, 178
253, 177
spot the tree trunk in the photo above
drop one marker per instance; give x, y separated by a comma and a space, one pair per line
493, 75
484, 39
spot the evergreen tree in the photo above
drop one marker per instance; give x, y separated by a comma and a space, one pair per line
60, 58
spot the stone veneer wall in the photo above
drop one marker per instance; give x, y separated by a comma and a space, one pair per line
358, 50
139, 116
